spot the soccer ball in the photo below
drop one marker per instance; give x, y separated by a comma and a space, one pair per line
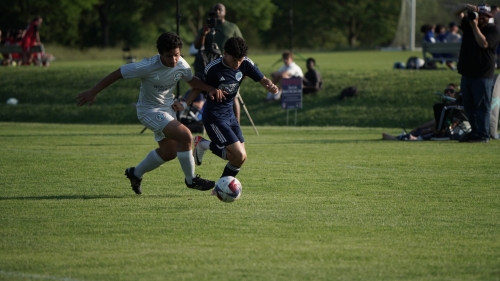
228, 189
12, 101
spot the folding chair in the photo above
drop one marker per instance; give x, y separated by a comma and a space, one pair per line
452, 122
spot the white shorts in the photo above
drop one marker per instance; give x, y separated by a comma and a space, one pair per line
156, 120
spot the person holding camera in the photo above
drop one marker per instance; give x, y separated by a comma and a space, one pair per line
212, 36
476, 64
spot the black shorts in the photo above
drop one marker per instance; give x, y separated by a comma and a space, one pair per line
224, 132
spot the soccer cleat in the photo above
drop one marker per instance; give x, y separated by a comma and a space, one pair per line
200, 183
198, 151
134, 181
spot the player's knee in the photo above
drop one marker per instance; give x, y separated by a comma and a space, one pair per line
241, 158
166, 154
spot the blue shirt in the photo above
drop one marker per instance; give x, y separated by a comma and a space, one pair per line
219, 75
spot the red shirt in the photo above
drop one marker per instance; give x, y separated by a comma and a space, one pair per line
29, 39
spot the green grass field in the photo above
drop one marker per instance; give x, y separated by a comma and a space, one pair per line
324, 200
318, 203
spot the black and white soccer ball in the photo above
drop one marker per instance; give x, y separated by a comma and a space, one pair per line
228, 189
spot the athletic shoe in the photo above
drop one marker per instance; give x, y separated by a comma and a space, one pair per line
198, 151
200, 183
134, 181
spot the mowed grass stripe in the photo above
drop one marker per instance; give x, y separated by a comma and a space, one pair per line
317, 204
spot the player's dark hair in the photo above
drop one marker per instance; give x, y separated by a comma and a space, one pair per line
236, 47
167, 42
311, 60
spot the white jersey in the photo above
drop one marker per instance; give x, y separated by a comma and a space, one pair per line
158, 82
293, 69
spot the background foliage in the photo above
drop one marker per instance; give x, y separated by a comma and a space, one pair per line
320, 24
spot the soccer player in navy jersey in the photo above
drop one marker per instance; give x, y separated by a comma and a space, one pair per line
226, 73
156, 109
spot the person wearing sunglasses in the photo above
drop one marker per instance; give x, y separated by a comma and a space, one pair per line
429, 130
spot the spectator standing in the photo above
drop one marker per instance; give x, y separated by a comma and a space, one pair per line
312, 81
477, 65
288, 70
218, 34
496, 20
31, 38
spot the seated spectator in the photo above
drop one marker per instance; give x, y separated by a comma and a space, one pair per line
429, 129
13, 38
440, 33
312, 82
288, 70
452, 36
428, 31
429, 36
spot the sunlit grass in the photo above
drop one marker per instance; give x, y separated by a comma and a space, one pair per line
317, 204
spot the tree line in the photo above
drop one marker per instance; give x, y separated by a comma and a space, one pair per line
266, 24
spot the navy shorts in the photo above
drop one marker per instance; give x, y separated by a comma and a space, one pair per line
224, 132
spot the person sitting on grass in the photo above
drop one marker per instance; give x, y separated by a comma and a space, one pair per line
428, 130
312, 82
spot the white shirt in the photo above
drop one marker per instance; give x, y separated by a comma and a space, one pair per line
158, 81
293, 69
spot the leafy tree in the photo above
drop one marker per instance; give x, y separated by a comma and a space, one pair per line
327, 24
59, 24
250, 16
265, 24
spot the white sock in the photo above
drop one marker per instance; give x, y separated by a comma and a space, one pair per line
151, 162
186, 160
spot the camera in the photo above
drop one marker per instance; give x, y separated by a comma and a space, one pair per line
212, 20
472, 15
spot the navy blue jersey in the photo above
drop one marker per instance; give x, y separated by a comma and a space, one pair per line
220, 76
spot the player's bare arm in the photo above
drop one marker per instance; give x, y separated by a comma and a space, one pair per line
212, 92
179, 105
217, 95
90, 95
196, 83
269, 85
192, 96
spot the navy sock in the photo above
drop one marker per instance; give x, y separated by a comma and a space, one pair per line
230, 170
217, 150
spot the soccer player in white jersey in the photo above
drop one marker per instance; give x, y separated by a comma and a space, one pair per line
156, 109
221, 125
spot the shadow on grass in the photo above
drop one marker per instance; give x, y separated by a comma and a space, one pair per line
319, 141
86, 197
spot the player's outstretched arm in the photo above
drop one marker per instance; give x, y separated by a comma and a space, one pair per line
269, 85
182, 104
192, 96
89, 95
213, 93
